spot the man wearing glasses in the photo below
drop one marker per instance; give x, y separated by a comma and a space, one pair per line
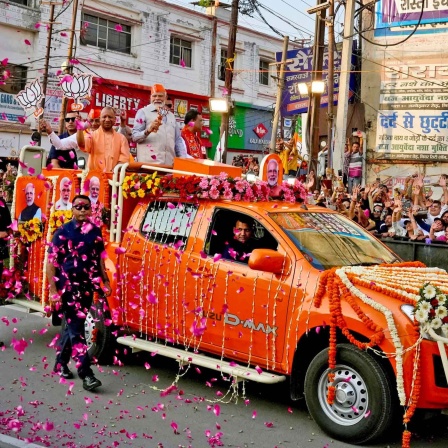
156, 132
75, 271
66, 157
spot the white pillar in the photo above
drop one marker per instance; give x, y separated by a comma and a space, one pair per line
346, 65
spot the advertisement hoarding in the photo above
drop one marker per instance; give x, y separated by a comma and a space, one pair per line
412, 121
299, 70
400, 17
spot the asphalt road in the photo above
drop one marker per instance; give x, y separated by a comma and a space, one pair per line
134, 408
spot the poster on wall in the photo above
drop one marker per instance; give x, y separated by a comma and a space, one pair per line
400, 17
412, 121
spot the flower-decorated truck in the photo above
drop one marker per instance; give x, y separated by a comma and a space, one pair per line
319, 302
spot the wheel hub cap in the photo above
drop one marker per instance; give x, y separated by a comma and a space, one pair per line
351, 398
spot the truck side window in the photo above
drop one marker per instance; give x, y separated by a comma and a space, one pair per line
220, 233
168, 222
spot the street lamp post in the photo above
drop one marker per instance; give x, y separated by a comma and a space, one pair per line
221, 106
314, 91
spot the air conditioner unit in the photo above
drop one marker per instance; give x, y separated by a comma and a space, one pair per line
222, 72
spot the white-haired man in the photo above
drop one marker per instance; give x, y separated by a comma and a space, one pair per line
65, 188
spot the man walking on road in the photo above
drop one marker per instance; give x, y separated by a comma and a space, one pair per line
75, 269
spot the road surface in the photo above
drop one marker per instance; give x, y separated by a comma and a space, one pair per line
136, 408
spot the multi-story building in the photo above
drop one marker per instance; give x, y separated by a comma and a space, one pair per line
405, 91
128, 46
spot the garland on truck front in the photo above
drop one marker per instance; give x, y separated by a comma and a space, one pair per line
216, 187
411, 283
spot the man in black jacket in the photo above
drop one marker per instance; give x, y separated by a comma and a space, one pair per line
75, 271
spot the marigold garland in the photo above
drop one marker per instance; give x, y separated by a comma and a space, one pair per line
406, 440
30, 231
432, 306
59, 218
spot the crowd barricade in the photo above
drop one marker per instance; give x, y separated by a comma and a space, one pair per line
433, 255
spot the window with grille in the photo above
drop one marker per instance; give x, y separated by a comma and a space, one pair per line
104, 33
13, 77
21, 2
263, 75
166, 224
180, 51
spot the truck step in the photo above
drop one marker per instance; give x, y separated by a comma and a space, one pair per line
30, 305
184, 357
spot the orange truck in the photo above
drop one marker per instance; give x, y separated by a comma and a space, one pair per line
318, 302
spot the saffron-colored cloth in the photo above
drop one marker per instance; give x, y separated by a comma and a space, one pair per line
106, 149
193, 143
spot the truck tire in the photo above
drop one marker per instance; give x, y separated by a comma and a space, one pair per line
363, 409
99, 338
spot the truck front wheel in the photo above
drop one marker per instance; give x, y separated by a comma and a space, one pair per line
363, 408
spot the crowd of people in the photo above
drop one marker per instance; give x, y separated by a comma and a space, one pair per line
247, 164
407, 211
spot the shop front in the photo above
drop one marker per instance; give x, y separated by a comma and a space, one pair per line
250, 130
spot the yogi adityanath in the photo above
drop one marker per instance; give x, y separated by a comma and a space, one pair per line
106, 147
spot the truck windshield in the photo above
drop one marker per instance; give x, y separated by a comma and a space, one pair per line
329, 240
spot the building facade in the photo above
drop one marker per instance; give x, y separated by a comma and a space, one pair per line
405, 91
133, 44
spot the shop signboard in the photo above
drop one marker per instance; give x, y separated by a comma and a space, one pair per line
412, 121
400, 17
298, 71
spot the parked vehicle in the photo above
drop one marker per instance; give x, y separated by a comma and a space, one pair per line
177, 295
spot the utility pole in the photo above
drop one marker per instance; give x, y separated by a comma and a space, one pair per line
344, 78
36, 137
229, 74
318, 56
69, 69
330, 83
213, 56
280, 87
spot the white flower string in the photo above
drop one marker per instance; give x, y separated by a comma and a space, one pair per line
342, 274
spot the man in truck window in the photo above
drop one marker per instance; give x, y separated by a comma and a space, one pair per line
156, 132
242, 244
75, 269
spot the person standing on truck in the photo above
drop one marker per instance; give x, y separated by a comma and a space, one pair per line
156, 132
75, 269
193, 125
106, 147
60, 155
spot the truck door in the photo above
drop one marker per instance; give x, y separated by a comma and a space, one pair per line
240, 312
153, 268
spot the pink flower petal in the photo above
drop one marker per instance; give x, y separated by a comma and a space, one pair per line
258, 369
118, 28
174, 426
27, 42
